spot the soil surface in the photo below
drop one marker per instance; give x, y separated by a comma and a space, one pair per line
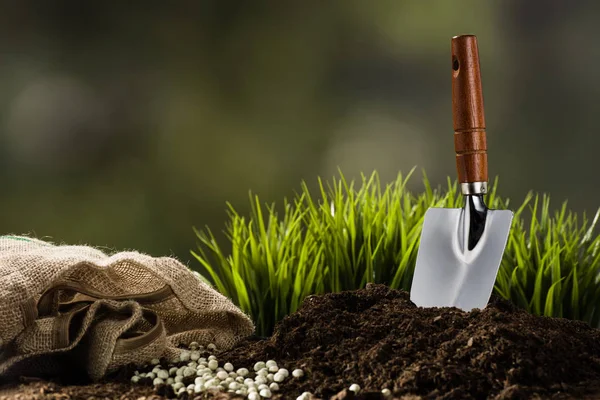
376, 338
49, 390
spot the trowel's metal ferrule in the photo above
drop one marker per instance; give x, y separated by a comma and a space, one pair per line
473, 188
474, 216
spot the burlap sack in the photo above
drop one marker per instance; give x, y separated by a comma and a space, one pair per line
67, 308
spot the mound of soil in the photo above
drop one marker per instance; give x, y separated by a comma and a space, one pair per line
377, 338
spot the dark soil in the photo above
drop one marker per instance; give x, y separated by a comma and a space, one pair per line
47, 390
377, 338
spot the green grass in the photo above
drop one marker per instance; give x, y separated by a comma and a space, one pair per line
552, 264
347, 235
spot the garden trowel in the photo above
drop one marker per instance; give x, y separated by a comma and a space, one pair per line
461, 248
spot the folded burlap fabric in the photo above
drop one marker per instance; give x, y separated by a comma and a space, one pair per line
66, 307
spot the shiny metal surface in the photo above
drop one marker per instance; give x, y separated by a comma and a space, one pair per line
475, 214
472, 188
459, 255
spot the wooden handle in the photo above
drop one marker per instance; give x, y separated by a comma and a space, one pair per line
467, 109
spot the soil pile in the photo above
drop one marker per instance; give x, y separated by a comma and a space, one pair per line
377, 338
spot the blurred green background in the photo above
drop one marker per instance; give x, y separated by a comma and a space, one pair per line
124, 124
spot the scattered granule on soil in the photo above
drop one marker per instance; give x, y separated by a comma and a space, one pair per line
377, 338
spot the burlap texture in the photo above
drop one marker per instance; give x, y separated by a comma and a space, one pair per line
99, 312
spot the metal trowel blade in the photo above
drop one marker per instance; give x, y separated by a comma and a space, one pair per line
447, 272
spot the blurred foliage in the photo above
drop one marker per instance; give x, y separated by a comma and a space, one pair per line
122, 124
348, 236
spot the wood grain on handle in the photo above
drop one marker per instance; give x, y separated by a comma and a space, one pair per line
467, 109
